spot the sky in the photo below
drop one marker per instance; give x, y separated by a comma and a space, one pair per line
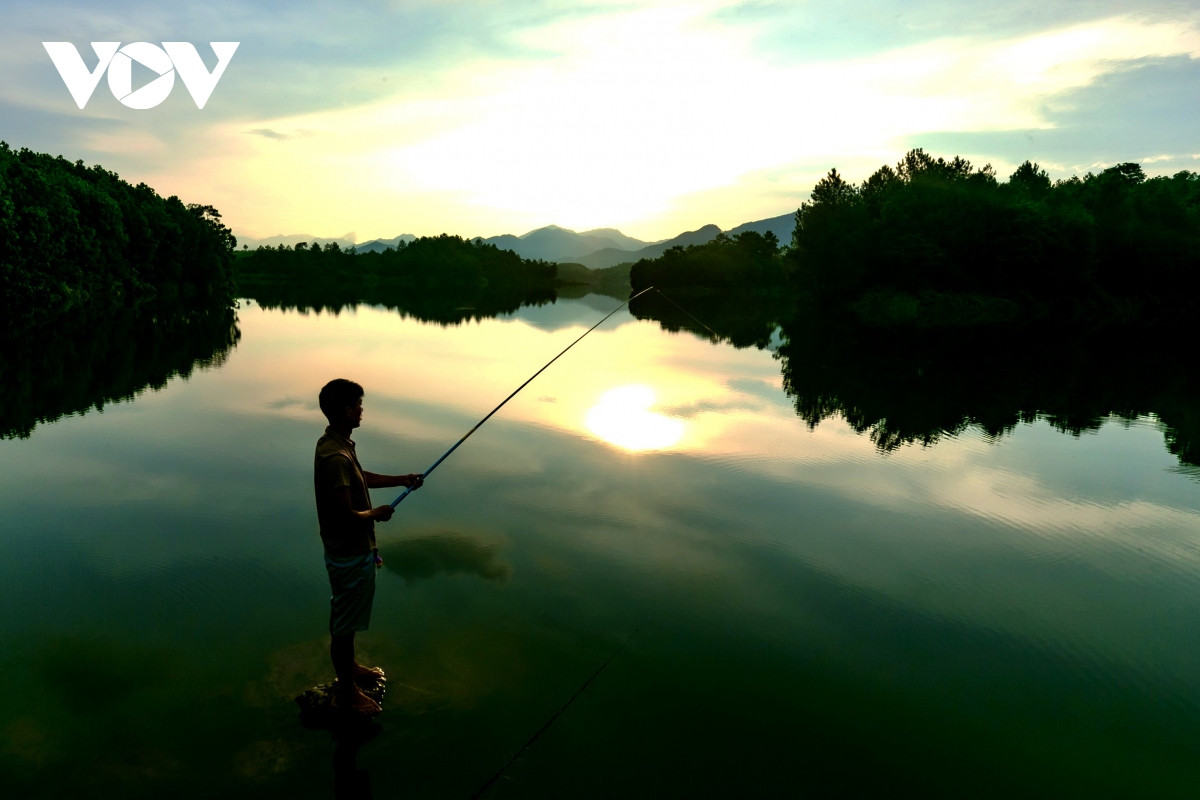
371, 119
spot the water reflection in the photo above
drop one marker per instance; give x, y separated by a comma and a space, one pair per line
623, 417
1005, 608
448, 307
349, 781
897, 386
445, 553
902, 386
917, 387
93, 675
83, 362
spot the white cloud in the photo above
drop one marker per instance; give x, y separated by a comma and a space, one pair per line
638, 114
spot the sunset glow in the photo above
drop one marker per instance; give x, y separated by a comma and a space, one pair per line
623, 417
654, 118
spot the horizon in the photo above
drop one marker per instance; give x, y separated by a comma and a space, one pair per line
352, 236
651, 119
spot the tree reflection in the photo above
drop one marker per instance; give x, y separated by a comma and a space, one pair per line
910, 385
443, 308
83, 362
902, 387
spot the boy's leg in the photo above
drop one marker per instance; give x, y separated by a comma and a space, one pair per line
353, 583
341, 652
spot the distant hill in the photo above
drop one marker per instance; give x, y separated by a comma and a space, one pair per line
553, 243
343, 241
611, 256
379, 245
624, 242
595, 249
781, 226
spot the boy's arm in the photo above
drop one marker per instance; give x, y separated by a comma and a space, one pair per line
334, 474
380, 513
377, 481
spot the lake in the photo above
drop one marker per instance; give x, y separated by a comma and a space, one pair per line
791, 605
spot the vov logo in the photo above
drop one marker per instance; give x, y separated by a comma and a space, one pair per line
172, 57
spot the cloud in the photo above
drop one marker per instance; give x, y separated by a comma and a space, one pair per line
268, 133
633, 113
1142, 110
498, 117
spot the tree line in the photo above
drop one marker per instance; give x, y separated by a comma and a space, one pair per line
939, 242
79, 238
439, 278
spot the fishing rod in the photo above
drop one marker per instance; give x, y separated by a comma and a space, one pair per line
557, 714
446, 455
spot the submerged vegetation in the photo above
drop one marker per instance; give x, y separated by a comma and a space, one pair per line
76, 238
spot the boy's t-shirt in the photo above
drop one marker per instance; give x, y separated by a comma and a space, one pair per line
336, 465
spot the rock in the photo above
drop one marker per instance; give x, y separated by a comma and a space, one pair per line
316, 710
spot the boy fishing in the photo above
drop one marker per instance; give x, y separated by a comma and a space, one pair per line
347, 522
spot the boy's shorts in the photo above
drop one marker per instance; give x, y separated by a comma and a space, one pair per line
352, 580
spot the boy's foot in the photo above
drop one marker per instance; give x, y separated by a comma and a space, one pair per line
367, 675
354, 700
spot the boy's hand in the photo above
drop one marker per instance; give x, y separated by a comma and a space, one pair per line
382, 513
415, 480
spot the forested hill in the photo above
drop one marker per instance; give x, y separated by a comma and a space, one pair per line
936, 242
77, 237
929, 225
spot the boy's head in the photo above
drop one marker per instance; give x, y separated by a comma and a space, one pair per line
341, 402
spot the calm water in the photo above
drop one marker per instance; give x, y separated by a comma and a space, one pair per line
792, 610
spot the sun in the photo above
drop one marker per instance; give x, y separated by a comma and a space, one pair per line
622, 418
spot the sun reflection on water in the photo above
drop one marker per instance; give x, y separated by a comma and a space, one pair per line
622, 417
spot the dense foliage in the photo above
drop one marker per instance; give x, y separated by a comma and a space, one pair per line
442, 278
936, 242
746, 262
80, 237
1114, 243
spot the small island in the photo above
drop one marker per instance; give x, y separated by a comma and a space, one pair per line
437, 278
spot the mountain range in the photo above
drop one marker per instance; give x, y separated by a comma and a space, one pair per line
595, 249
343, 241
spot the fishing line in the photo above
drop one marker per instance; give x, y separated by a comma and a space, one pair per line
684, 310
446, 455
557, 714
